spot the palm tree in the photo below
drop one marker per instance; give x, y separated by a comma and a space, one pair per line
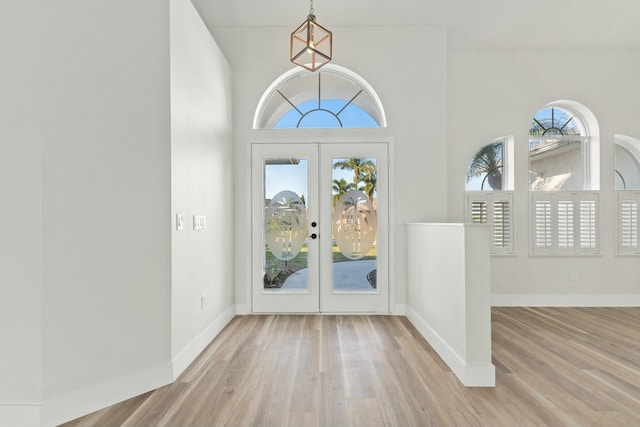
340, 186
360, 167
488, 161
370, 180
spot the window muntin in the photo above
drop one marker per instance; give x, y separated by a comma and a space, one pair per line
558, 142
334, 97
329, 113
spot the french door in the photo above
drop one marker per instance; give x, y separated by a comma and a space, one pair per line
320, 220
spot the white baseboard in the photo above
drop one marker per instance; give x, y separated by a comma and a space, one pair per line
243, 309
399, 310
20, 414
469, 375
85, 401
82, 402
194, 348
576, 300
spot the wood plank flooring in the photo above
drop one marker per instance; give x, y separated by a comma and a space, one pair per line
554, 367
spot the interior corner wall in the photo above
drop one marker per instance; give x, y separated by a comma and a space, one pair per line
497, 93
201, 184
106, 203
21, 215
412, 88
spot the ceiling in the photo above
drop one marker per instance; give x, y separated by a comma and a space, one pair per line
471, 24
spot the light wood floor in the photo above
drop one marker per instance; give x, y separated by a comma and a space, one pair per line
555, 367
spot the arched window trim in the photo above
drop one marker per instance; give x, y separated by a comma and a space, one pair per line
329, 68
631, 146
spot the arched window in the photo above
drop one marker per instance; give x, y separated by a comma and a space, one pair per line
563, 166
489, 199
627, 184
627, 158
558, 139
332, 98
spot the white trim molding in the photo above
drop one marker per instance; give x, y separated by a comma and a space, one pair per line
469, 375
188, 354
565, 300
81, 402
20, 414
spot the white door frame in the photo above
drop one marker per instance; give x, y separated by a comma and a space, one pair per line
330, 301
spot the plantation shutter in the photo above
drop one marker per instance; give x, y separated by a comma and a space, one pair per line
565, 223
588, 224
501, 224
493, 209
478, 212
542, 218
628, 203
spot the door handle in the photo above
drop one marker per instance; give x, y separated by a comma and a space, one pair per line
314, 236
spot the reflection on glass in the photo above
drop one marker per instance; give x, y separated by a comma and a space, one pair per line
354, 225
485, 172
556, 158
285, 225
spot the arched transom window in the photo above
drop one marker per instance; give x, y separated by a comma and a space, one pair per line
332, 98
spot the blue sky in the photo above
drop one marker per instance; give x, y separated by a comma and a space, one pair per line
351, 117
294, 178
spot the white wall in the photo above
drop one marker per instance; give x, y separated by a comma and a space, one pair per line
106, 202
497, 93
20, 214
448, 296
88, 112
201, 183
411, 83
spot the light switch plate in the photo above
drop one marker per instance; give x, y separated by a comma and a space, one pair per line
199, 222
179, 222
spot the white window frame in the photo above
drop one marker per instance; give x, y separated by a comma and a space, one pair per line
565, 223
628, 221
492, 216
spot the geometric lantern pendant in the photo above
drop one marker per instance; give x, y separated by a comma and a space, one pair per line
311, 44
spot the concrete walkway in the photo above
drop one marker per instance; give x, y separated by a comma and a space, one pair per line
348, 276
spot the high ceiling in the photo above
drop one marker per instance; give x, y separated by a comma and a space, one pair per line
471, 24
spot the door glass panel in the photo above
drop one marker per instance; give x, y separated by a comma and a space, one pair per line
354, 224
285, 225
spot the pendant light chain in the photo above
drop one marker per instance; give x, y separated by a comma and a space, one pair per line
311, 10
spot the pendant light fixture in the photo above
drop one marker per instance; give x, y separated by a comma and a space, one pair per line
311, 44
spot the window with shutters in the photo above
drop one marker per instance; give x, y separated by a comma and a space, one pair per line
565, 223
628, 208
627, 179
489, 182
495, 210
627, 158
